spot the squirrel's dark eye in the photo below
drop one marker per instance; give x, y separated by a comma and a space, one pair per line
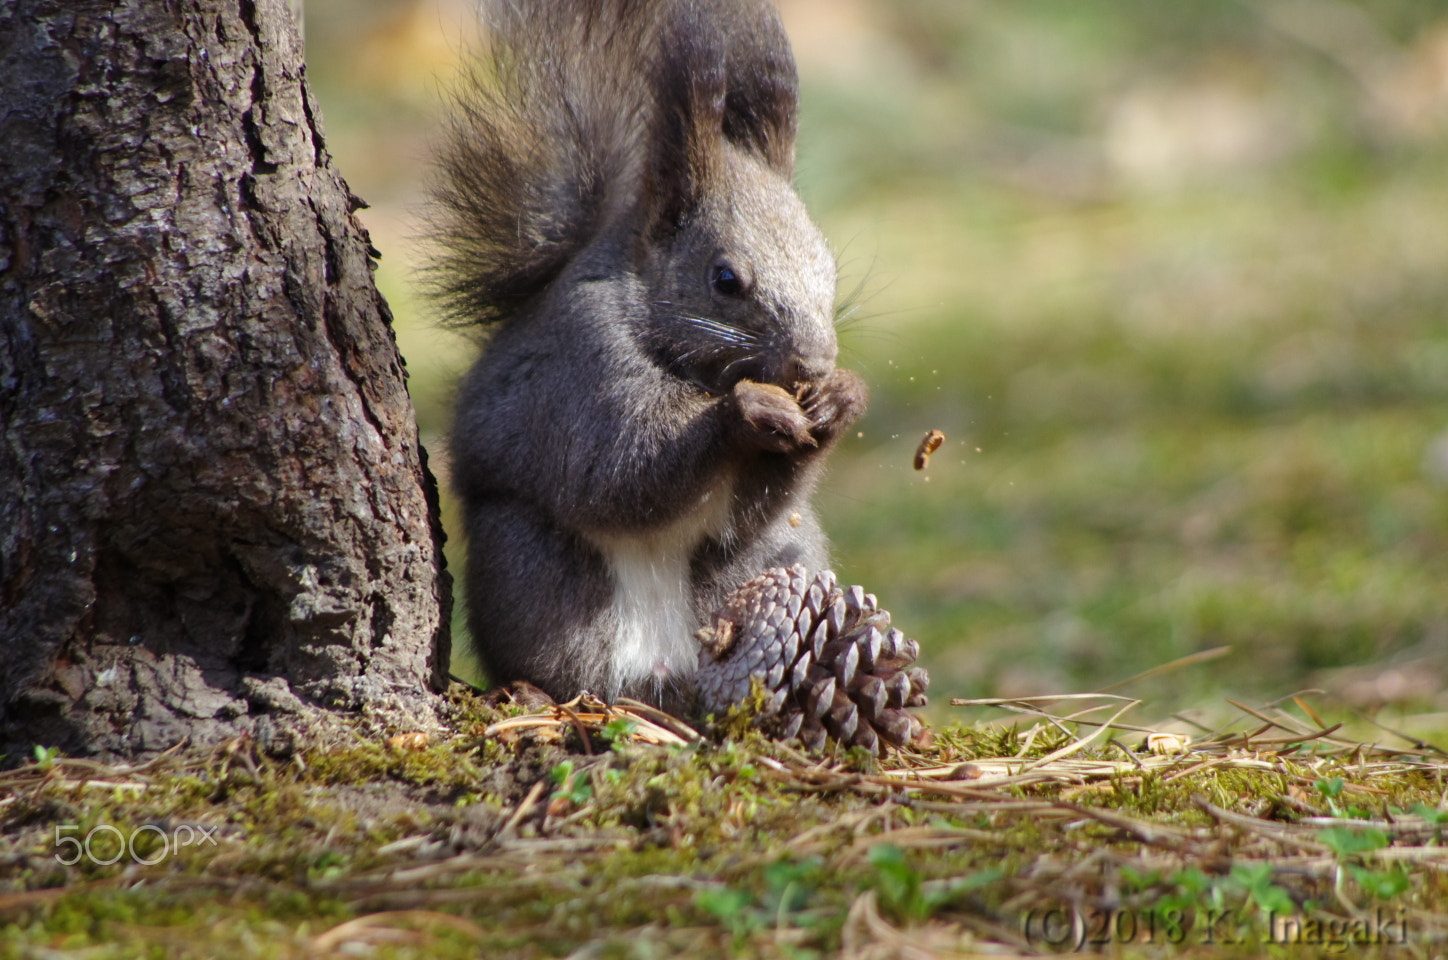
727, 282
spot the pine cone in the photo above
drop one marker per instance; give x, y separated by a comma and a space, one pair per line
827, 657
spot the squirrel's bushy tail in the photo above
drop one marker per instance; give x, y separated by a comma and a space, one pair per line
585, 111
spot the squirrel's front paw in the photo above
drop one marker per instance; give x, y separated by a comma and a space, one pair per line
834, 404
771, 418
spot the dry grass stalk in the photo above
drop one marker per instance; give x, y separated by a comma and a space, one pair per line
589, 715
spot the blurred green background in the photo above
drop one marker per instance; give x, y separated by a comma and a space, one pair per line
1173, 279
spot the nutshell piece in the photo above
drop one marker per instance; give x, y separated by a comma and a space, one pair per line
826, 655
929, 445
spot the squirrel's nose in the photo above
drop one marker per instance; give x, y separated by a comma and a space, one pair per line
811, 369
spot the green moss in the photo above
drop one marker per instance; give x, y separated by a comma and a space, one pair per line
740, 847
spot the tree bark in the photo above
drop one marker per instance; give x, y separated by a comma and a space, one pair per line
215, 514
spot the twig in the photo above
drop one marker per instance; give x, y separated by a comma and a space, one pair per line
1420, 744
1081, 744
1201, 656
1279, 832
523, 808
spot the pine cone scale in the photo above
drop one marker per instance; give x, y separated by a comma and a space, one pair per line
827, 657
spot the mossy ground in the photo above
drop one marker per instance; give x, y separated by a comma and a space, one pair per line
1268, 835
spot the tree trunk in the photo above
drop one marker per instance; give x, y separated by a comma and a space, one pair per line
214, 510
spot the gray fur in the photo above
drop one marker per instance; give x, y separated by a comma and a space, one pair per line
639, 431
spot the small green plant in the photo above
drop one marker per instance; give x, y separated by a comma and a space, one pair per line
1331, 789
789, 886
1436, 816
731, 907
573, 785
1350, 844
618, 731
45, 757
1256, 880
1347, 842
1383, 884
1186, 889
328, 865
1248, 884
898, 883
904, 891
1134, 881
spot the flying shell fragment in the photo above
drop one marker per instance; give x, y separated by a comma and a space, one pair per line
929, 445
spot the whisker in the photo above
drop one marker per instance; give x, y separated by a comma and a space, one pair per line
731, 337
723, 331
724, 374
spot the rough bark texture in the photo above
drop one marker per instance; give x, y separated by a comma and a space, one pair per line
214, 509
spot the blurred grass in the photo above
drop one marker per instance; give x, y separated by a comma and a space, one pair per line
1171, 277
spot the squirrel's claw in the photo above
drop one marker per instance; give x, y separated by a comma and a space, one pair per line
835, 403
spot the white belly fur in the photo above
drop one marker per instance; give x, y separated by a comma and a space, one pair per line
654, 640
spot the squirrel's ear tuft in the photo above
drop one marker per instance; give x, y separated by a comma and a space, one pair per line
691, 91
762, 105
725, 74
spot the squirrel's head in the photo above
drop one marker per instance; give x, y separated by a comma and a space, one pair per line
742, 281
745, 288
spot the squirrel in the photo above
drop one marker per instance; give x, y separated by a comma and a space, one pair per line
658, 389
